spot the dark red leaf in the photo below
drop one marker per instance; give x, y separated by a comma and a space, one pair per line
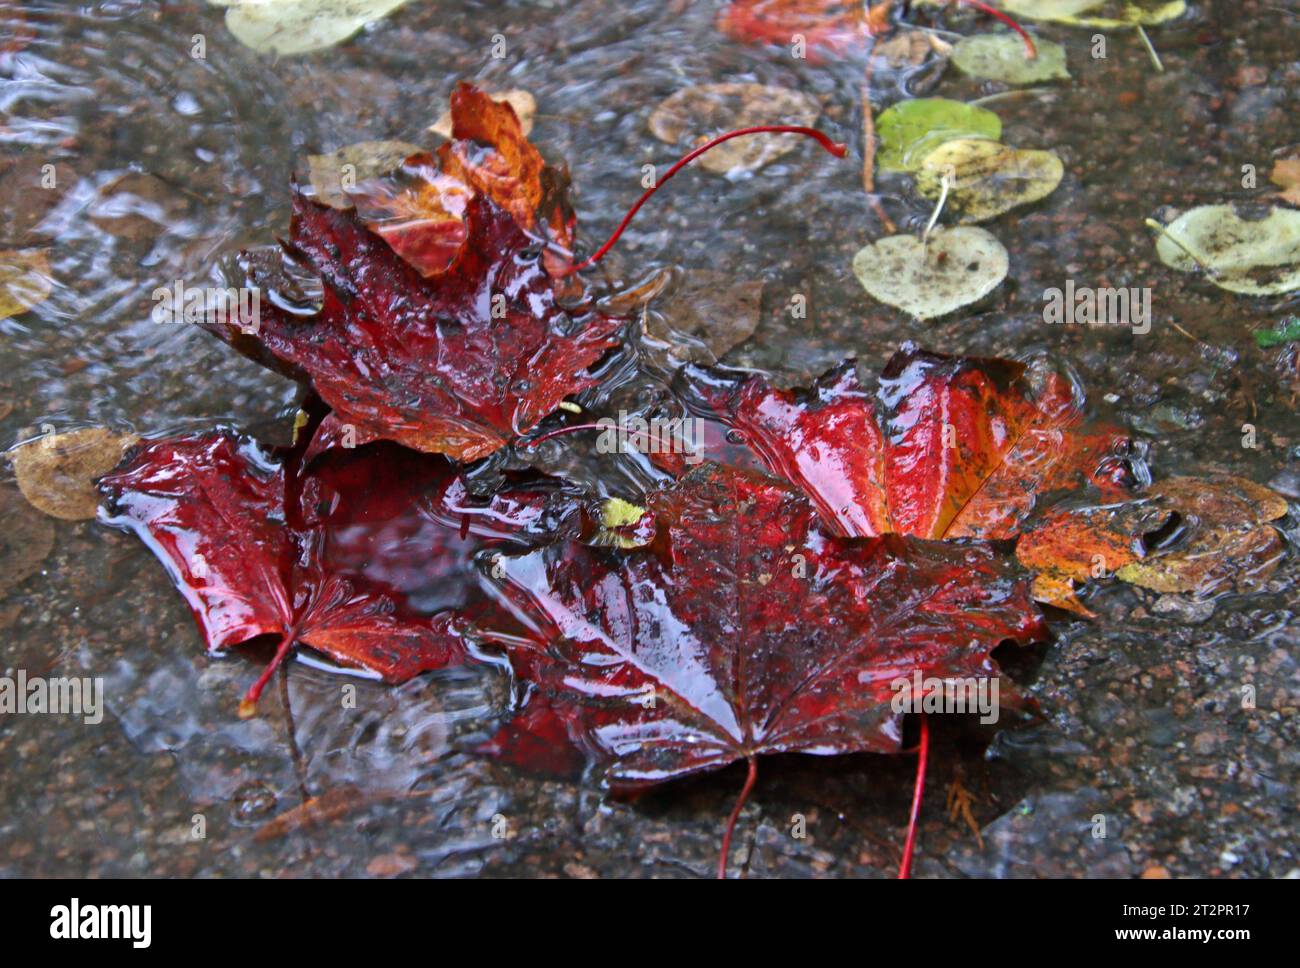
458, 363
348, 559
747, 628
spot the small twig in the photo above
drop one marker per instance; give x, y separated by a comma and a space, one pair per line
1009, 95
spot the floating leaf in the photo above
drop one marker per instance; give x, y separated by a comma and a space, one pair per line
57, 472
957, 267
912, 129
986, 178
457, 362
1002, 57
701, 112
24, 280
943, 447
298, 26
1255, 257
1097, 13
1225, 543
521, 102
831, 29
737, 635
1219, 539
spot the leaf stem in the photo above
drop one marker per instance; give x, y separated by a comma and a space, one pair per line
1163, 230
248, 705
834, 147
735, 815
1155, 57
995, 12
934, 216
909, 846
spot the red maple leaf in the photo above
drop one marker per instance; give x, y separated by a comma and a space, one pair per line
461, 361
828, 28
943, 447
746, 628
337, 558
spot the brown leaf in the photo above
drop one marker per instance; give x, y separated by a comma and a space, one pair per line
57, 472
704, 314
694, 113
1228, 543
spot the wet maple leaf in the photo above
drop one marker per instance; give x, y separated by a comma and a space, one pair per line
746, 628
459, 362
333, 559
420, 208
423, 362
943, 447
1180, 535
830, 28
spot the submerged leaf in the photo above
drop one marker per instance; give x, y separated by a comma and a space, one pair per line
333, 174
911, 129
1002, 57
1286, 172
701, 112
24, 280
986, 178
1225, 543
955, 268
1287, 331
1181, 535
419, 211
25, 541
1254, 257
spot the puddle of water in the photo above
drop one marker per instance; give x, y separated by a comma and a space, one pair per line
167, 165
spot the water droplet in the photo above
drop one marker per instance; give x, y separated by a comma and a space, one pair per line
253, 799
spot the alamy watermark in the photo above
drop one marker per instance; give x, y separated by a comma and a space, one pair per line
76, 921
930, 694
236, 307
1084, 306
62, 696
